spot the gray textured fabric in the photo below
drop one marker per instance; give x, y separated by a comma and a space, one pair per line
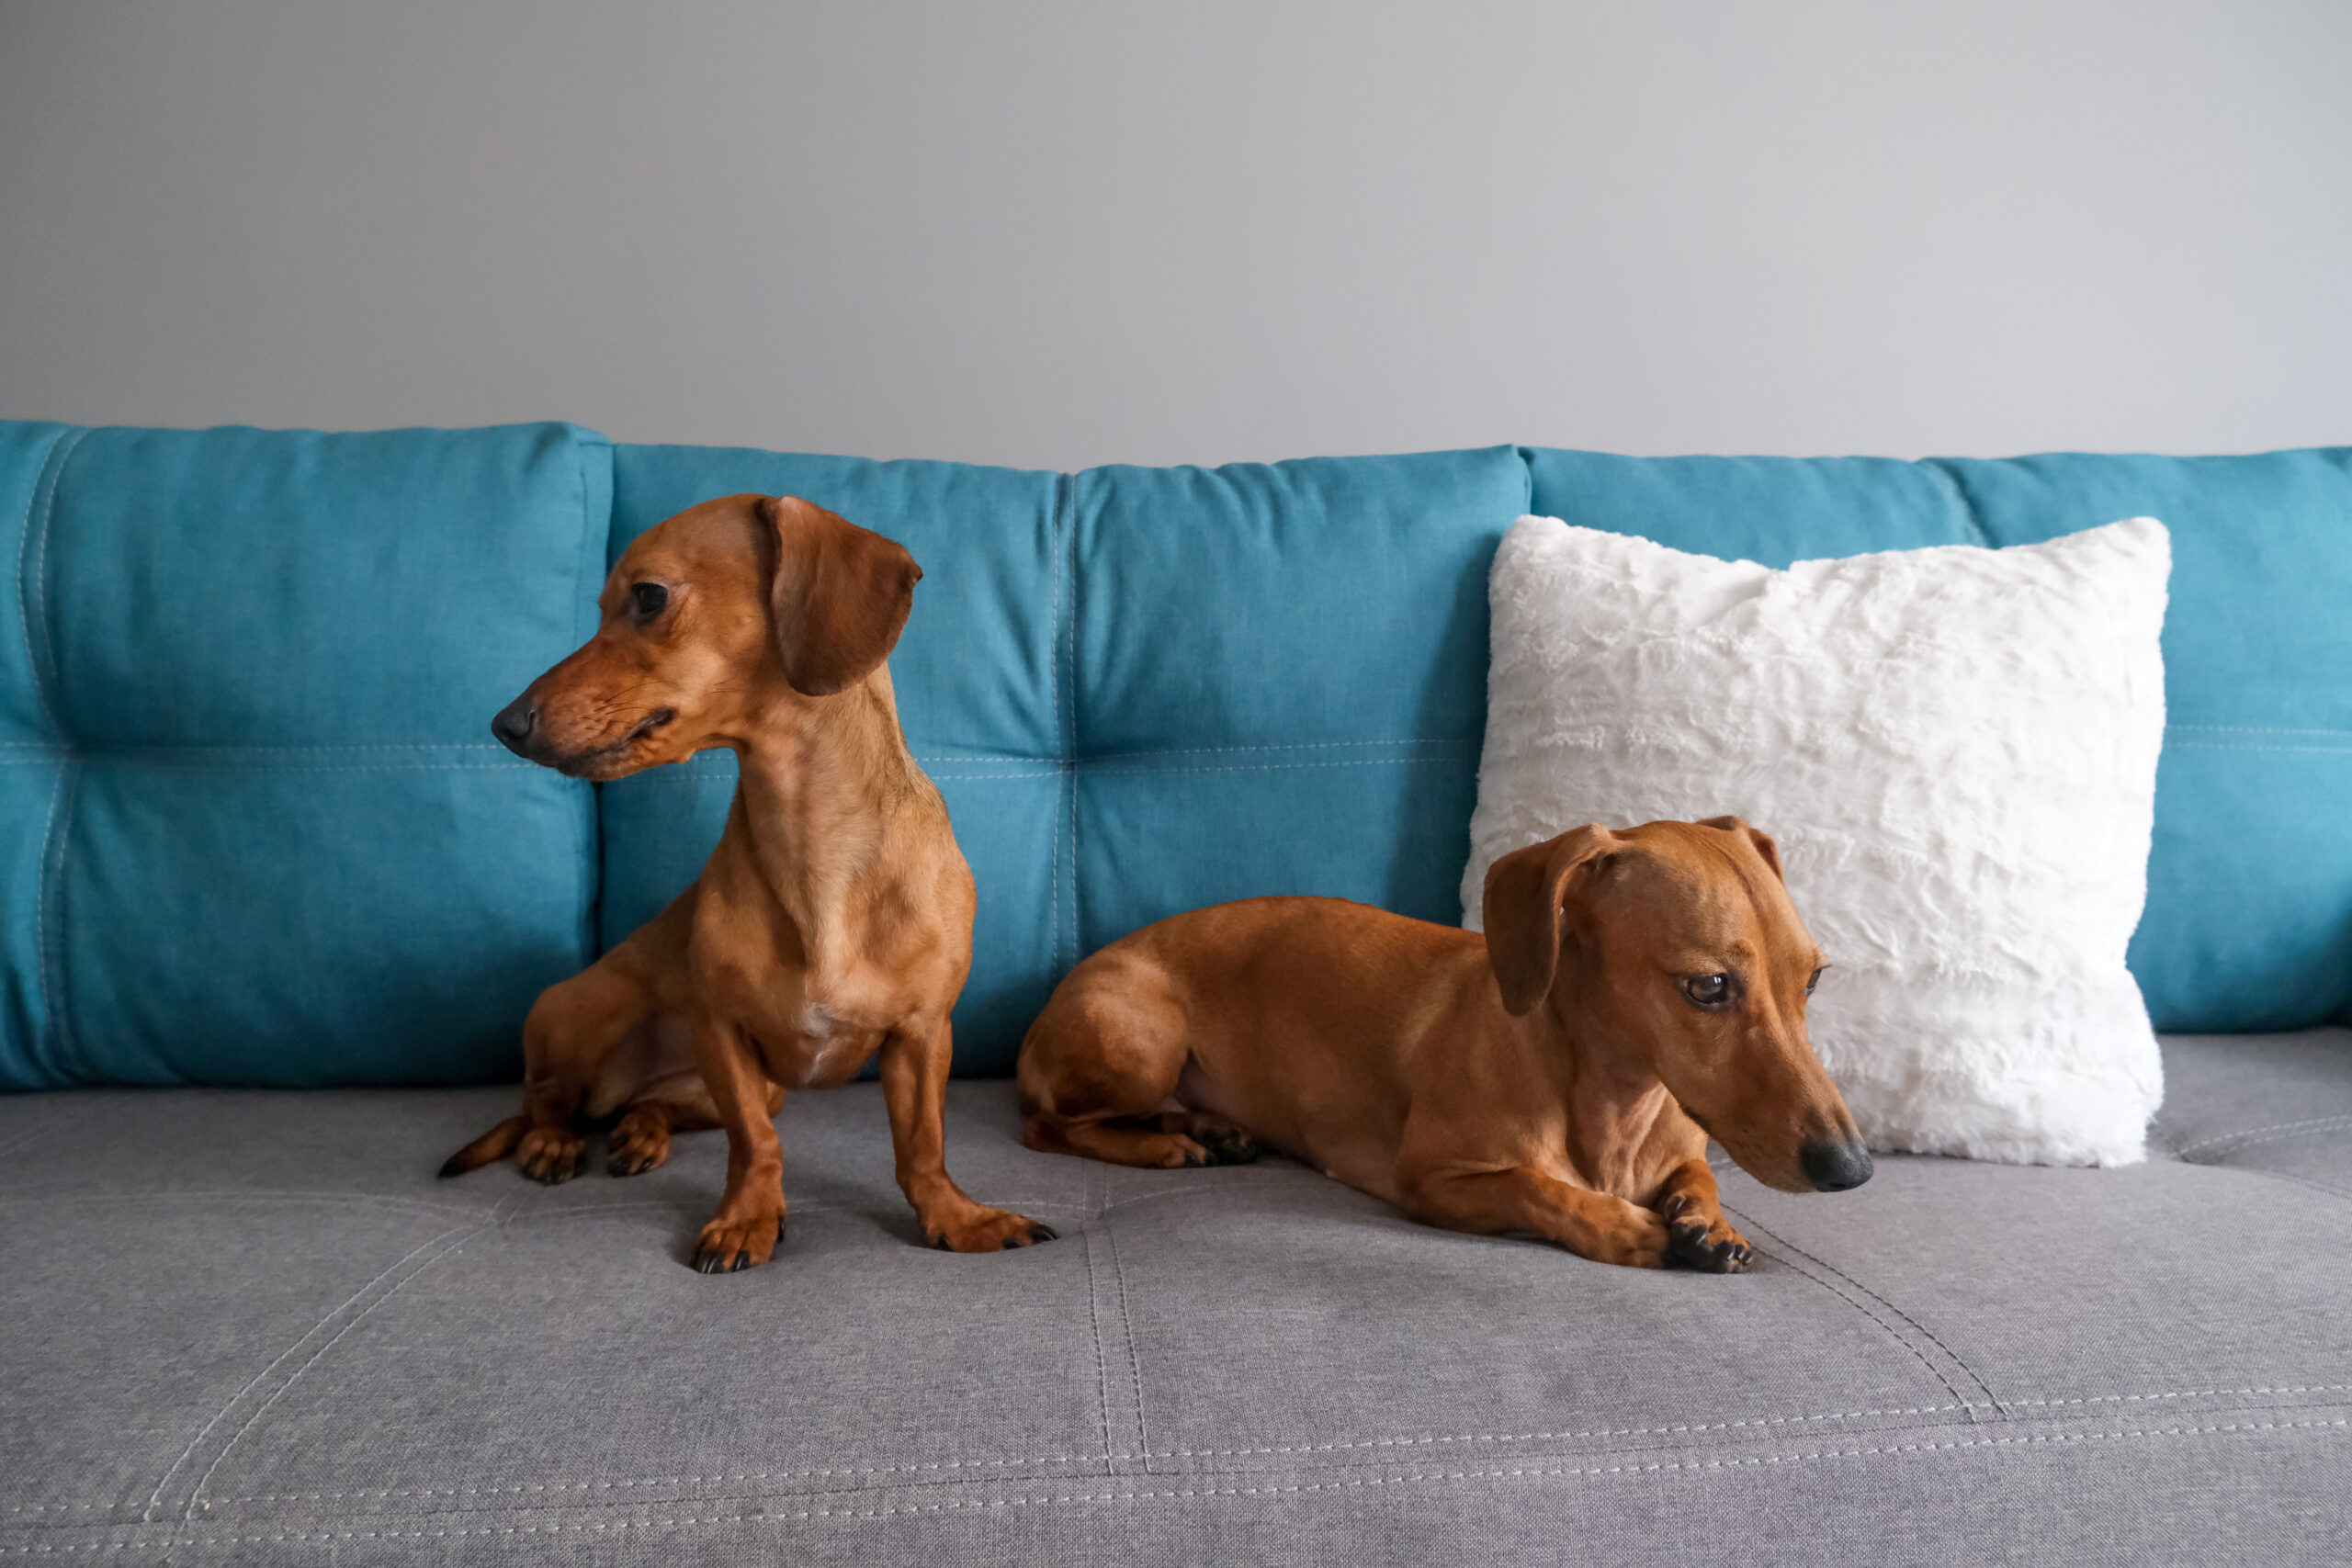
251, 1328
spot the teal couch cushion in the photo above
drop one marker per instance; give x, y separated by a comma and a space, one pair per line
981, 676
1140, 689
254, 829
2249, 917
1282, 681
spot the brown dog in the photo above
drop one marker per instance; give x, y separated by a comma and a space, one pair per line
833, 920
1634, 992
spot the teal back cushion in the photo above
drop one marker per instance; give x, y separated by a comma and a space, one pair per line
1140, 689
256, 830
2249, 915
1282, 681
252, 826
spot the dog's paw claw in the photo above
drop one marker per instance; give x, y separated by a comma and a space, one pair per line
989, 1230
549, 1156
1688, 1245
1232, 1148
731, 1246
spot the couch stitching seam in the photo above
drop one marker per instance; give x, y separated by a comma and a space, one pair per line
410, 1205
32, 595
2252, 1135
77, 760
196, 1497
1104, 770
2258, 729
42, 934
42, 1127
53, 746
1069, 700
65, 1045
762, 1516
1301, 746
1420, 1441
1983, 1387
1102, 1367
2257, 1171
155, 1499
1970, 1372
1135, 1360
1056, 762
1961, 1401
1061, 763
591, 834
32, 591
2240, 746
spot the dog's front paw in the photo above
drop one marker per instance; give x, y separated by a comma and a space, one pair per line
728, 1245
638, 1143
1711, 1248
985, 1230
1635, 1239
551, 1154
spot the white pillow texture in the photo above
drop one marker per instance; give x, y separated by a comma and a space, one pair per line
1956, 751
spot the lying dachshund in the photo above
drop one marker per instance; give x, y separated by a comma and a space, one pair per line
833, 920
1634, 993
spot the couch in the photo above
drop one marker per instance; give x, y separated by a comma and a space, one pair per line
273, 903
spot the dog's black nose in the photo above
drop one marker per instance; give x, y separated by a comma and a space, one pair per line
1836, 1168
514, 723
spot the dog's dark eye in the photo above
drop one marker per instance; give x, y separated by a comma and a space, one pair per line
1707, 992
1809, 984
647, 599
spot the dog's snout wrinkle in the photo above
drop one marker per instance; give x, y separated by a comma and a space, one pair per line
514, 725
1836, 1166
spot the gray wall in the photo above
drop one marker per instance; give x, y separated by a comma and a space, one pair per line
1066, 233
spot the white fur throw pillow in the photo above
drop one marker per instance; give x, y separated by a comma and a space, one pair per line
1956, 748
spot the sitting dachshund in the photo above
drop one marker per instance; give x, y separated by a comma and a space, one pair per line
834, 918
1634, 993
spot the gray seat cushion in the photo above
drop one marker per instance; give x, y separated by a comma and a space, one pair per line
253, 1327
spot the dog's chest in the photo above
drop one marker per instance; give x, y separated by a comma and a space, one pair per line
807, 1044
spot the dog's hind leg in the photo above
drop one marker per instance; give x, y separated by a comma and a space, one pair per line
1099, 1067
570, 1033
1222, 1140
640, 1139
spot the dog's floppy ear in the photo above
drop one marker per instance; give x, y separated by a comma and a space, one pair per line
840, 596
1525, 891
1762, 840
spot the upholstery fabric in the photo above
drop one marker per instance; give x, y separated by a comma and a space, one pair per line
255, 829
1955, 748
252, 1328
2248, 923
1124, 682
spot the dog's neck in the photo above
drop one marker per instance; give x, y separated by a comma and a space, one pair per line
1611, 1095
822, 782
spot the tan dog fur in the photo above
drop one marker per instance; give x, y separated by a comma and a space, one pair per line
1555, 1076
833, 920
